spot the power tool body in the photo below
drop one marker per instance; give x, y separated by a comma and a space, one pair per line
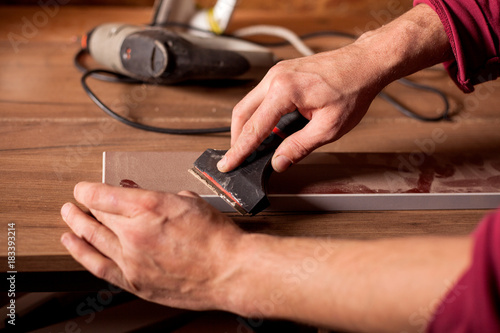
163, 56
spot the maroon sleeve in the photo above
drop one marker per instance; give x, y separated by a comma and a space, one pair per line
473, 304
473, 29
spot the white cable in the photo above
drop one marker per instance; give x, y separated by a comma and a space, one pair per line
214, 19
223, 11
277, 31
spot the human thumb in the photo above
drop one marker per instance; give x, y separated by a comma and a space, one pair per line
295, 147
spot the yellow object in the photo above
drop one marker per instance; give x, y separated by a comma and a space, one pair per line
216, 28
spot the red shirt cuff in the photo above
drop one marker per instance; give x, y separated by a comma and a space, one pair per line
473, 29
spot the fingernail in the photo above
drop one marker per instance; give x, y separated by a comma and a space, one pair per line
65, 240
75, 190
222, 164
281, 163
65, 210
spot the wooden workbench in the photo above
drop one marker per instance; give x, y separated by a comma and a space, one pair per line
53, 136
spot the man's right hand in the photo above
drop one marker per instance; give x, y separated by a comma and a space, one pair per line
334, 89
327, 88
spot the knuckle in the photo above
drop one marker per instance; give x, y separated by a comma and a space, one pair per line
251, 129
91, 195
238, 111
273, 71
252, 135
298, 149
188, 194
150, 202
71, 214
282, 82
100, 269
92, 235
279, 68
287, 87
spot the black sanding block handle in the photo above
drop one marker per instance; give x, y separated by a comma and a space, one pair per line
290, 123
245, 187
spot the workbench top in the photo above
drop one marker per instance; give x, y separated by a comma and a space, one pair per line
53, 136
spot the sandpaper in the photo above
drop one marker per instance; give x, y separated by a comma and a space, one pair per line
333, 181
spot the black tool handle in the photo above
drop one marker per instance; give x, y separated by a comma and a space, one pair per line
290, 123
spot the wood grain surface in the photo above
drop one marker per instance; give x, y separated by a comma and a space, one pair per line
53, 136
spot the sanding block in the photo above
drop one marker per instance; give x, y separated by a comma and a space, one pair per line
245, 188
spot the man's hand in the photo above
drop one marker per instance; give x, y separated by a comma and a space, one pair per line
327, 88
178, 251
170, 249
334, 89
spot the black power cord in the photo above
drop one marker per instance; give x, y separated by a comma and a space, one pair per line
113, 77
116, 116
407, 112
108, 76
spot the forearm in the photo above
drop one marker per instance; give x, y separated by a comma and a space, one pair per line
335, 283
414, 41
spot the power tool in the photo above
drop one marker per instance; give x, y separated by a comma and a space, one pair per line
163, 56
163, 53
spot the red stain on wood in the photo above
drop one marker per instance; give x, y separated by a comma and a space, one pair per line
128, 183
